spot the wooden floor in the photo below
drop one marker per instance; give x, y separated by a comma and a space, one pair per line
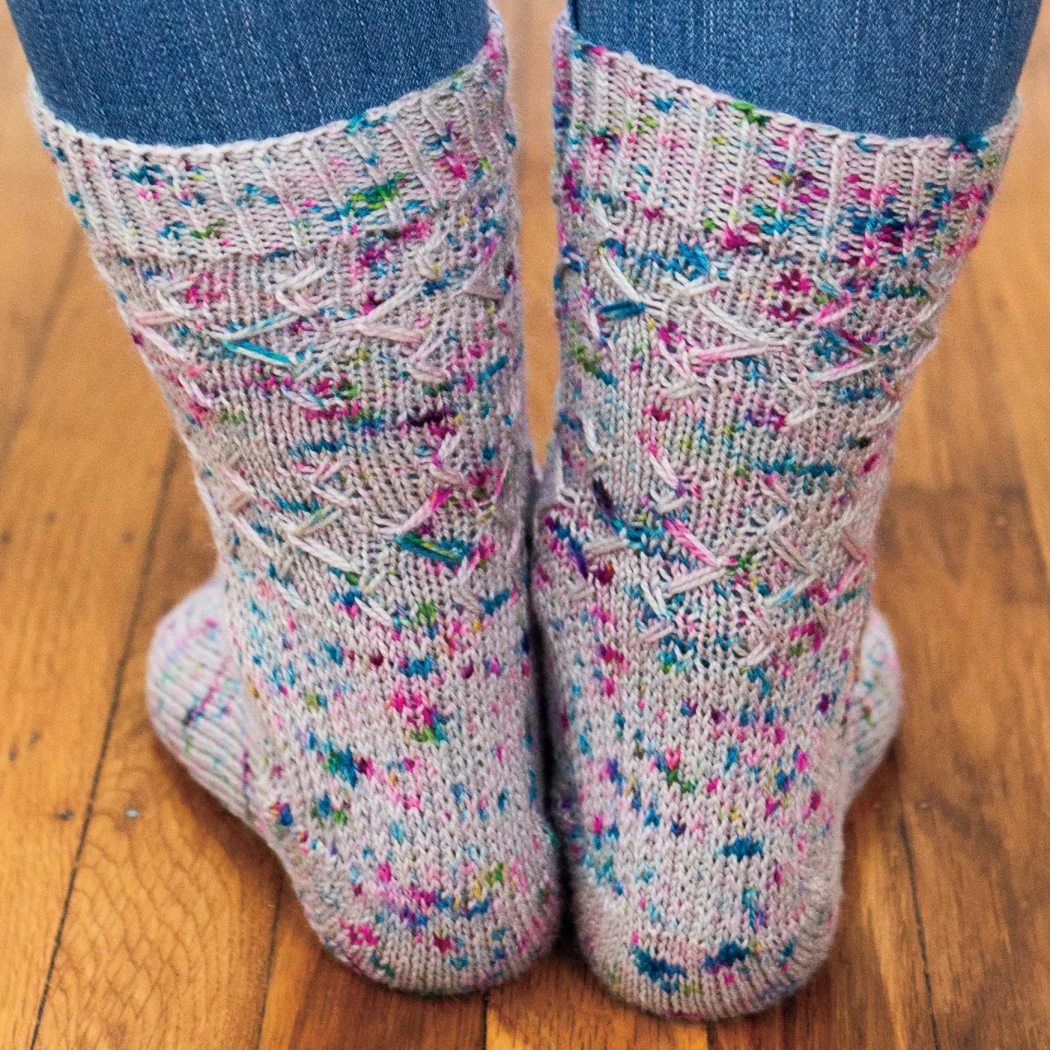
135, 913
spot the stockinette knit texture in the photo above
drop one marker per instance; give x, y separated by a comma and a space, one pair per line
196, 698
334, 318
744, 300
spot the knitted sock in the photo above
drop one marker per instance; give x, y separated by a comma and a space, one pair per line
196, 701
334, 318
744, 299
872, 705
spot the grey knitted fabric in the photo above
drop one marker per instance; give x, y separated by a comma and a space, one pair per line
334, 318
744, 300
196, 699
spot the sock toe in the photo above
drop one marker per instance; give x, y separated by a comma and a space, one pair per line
195, 697
874, 709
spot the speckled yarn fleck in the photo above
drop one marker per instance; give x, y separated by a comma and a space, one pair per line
743, 300
334, 318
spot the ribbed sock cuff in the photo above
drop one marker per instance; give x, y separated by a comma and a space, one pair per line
636, 138
378, 171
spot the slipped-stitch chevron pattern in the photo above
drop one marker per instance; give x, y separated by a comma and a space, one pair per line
744, 300
334, 318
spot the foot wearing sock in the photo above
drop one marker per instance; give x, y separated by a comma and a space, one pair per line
743, 300
872, 707
196, 700
334, 318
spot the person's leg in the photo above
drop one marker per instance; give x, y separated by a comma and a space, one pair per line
334, 316
909, 67
193, 71
744, 297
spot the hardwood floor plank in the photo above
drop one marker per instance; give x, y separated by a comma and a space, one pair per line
559, 1005
168, 935
107, 733
40, 239
529, 24
78, 496
965, 583
1012, 284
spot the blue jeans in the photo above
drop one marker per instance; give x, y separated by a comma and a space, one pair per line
189, 71
889, 67
219, 70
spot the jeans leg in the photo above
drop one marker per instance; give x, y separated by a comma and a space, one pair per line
190, 71
905, 67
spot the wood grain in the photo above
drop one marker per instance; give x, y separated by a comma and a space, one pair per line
964, 581
78, 497
138, 914
558, 1004
169, 928
529, 24
34, 269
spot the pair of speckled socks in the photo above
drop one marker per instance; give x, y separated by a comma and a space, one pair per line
334, 318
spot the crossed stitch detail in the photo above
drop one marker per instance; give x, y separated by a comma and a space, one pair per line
679, 384
300, 537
